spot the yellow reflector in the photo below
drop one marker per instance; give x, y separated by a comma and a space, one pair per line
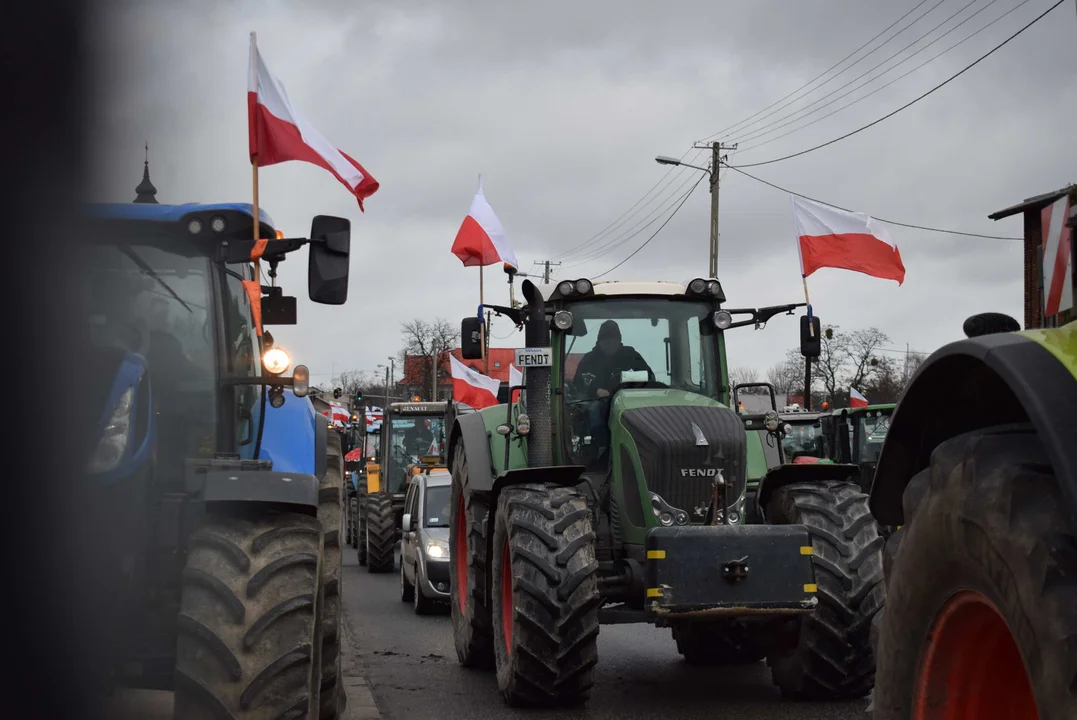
654, 592
656, 554
805, 550
811, 587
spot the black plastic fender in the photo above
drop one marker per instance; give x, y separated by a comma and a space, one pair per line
558, 475
299, 490
972, 384
476, 439
801, 473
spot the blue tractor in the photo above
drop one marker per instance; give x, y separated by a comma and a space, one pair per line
218, 485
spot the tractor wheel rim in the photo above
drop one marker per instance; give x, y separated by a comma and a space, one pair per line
971, 667
461, 555
506, 597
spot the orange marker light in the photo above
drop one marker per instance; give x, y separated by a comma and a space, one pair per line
280, 234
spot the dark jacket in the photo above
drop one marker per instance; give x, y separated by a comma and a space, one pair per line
603, 372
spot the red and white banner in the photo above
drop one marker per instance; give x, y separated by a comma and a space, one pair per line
471, 387
374, 417
856, 400
833, 238
1057, 262
481, 240
516, 379
278, 132
340, 415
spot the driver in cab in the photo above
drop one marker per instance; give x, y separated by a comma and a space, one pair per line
599, 374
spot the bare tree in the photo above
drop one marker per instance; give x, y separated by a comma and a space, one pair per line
351, 381
429, 340
830, 366
741, 375
787, 376
861, 350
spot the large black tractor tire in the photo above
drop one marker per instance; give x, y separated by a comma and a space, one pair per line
248, 630
472, 626
380, 532
708, 644
544, 596
982, 588
353, 521
831, 658
331, 515
360, 527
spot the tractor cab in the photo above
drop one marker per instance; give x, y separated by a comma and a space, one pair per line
856, 435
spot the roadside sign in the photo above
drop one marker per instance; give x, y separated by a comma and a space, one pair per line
533, 357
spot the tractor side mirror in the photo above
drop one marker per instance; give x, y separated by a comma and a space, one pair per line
327, 271
810, 344
471, 339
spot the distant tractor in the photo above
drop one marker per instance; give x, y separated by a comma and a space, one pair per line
410, 432
856, 435
615, 491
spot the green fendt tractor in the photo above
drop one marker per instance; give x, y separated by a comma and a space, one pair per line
614, 491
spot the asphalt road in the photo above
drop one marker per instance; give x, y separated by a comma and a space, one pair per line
411, 667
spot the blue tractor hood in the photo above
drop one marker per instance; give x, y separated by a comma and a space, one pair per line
288, 438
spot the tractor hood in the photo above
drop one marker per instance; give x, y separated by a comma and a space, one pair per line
682, 441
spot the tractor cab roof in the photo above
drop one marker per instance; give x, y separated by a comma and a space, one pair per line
882, 407
418, 408
801, 416
615, 288
171, 213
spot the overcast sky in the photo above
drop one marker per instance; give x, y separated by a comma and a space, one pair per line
562, 107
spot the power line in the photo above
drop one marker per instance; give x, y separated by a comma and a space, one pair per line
683, 200
791, 117
825, 72
911, 102
888, 222
881, 220
883, 87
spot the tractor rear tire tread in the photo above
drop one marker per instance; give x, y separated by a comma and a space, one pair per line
247, 630
473, 633
381, 532
554, 597
833, 658
331, 514
986, 515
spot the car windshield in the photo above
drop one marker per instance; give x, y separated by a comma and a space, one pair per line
410, 438
871, 430
146, 300
805, 438
436, 506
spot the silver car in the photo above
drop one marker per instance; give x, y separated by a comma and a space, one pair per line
424, 545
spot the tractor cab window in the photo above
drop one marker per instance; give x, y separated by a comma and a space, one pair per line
805, 439
871, 428
617, 344
242, 347
409, 439
145, 298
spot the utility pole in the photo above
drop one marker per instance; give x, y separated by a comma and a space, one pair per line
546, 269
717, 159
392, 376
387, 386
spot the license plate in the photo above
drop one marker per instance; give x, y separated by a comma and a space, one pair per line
533, 357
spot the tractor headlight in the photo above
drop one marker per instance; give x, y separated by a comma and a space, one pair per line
697, 286
583, 286
666, 519
722, 320
562, 320
770, 421
523, 425
714, 288
276, 360
194, 226
437, 550
667, 514
301, 381
113, 443
218, 224
566, 287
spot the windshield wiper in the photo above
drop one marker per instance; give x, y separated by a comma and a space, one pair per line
149, 271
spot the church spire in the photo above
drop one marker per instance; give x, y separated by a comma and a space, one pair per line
145, 189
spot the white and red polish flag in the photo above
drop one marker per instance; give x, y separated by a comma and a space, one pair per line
278, 132
1057, 262
471, 387
481, 240
856, 400
833, 238
516, 379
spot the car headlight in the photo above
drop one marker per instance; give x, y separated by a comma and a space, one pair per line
113, 443
276, 360
437, 549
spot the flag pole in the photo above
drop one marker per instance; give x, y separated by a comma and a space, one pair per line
803, 275
482, 335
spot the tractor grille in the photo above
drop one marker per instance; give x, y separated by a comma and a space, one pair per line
672, 461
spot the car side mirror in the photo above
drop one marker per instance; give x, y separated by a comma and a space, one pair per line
405, 523
327, 271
